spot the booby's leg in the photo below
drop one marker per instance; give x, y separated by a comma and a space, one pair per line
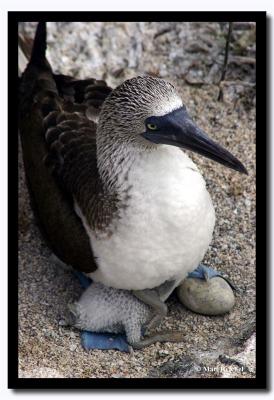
161, 337
152, 299
155, 298
166, 289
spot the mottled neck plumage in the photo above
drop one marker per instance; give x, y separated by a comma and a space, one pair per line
122, 121
115, 159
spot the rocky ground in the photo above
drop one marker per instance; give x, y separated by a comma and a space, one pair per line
191, 56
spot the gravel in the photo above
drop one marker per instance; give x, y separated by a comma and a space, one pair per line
190, 55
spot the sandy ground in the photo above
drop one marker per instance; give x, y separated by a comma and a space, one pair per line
222, 346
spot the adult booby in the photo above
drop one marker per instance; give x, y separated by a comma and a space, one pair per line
115, 195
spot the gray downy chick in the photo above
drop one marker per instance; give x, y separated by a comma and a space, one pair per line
105, 309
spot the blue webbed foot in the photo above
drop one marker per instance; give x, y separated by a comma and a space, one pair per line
97, 340
84, 280
104, 341
207, 273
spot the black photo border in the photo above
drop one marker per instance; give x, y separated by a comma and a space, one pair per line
261, 381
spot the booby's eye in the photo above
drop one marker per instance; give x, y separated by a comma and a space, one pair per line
152, 127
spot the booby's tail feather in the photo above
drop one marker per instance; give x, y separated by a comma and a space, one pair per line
38, 54
37, 78
33, 51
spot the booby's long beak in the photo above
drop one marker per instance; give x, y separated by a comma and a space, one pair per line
178, 129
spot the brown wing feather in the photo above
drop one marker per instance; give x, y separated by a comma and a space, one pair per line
59, 151
71, 139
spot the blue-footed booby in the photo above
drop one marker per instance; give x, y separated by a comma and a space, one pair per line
115, 194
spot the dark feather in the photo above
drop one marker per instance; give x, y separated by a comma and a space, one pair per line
59, 151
